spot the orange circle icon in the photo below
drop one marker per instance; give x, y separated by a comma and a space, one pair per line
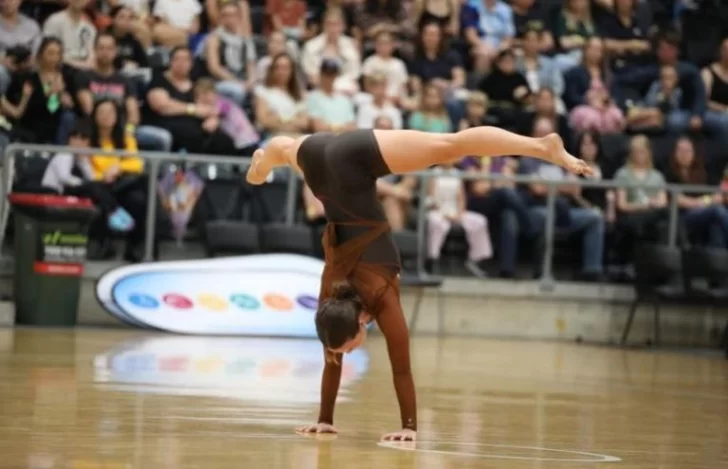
278, 302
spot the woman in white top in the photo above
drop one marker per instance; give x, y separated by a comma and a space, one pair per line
280, 107
383, 62
447, 198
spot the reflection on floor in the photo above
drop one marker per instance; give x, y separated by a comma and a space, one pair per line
117, 399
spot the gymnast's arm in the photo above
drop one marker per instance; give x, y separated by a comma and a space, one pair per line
330, 382
392, 323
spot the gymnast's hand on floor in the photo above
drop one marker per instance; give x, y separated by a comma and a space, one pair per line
317, 428
402, 435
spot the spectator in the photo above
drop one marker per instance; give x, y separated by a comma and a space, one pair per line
496, 21
570, 214
103, 81
434, 62
588, 148
276, 46
661, 106
41, 105
280, 107
72, 174
383, 62
175, 22
476, 111
330, 111
528, 17
348, 10
692, 105
75, 32
16, 30
446, 13
121, 175
131, 54
626, 36
545, 106
15, 65
229, 56
539, 70
228, 117
171, 106
447, 206
715, 77
432, 114
378, 105
287, 17
574, 27
507, 90
641, 210
212, 11
376, 16
332, 44
701, 214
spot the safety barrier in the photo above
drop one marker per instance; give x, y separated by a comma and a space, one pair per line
156, 159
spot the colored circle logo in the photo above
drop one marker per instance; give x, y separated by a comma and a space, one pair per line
177, 301
278, 302
212, 302
243, 301
307, 301
143, 301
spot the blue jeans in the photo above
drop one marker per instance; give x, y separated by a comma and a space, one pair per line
153, 138
590, 224
678, 121
716, 122
712, 219
232, 90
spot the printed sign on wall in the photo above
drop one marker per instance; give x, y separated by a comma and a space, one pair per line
267, 294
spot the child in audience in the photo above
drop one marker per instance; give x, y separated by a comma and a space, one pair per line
476, 111
230, 118
432, 115
447, 206
378, 105
662, 99
599, 114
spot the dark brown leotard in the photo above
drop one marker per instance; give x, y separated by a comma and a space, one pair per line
342, 170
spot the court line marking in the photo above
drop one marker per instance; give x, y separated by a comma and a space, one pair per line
407, 446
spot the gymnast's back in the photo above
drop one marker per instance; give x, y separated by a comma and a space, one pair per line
342, 171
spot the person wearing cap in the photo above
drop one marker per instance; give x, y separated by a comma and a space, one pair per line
330, 110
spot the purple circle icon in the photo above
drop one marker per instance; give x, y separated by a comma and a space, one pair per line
307, 301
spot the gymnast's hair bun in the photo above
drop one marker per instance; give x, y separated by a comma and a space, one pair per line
344, 291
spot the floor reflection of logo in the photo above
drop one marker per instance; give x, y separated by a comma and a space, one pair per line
278, 302
143, 301
243, 301
177, 301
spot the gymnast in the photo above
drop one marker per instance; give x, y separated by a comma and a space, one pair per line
360, 282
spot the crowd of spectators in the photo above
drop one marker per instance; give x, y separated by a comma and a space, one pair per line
224, 76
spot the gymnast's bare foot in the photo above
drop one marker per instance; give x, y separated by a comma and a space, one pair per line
259, 168
558, 155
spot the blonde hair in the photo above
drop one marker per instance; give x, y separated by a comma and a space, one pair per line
204, 85
477, 97
637, 142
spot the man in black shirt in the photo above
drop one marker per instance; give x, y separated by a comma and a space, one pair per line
104, 81
527, 17
625, 35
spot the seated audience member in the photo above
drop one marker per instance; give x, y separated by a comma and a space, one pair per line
276, 46
661, 106
41, 105
16, 31
175, 22
641, 210
75, 33
171, 106
591, 74
375, 16
545, 106
228, 118
348, 11
539, 70
588, 148
701, 214
573, 29
692, 105
625, 35
131, 53
432, 115
715, 77
229, 56
280, 105
570, 214
527, 16
329, 110
507, 90
17, 63
287, 17
71, 174
446, 13
377, 105
332, 44
212, 11
435, 63
447, 206
104, 81
383, 62
496, 21
123, 175
476, 111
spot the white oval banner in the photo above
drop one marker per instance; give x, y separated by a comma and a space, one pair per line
266, 294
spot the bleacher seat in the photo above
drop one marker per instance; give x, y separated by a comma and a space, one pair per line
280, 237
231, 237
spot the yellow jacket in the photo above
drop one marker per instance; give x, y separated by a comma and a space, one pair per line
127, 164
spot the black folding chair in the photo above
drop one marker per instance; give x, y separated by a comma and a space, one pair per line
279, 237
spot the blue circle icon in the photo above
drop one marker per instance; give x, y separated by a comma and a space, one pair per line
143, 301
244, 301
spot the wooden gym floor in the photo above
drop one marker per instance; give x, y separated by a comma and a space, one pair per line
111, 399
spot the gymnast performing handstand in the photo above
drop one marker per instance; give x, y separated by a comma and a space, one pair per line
360, 282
